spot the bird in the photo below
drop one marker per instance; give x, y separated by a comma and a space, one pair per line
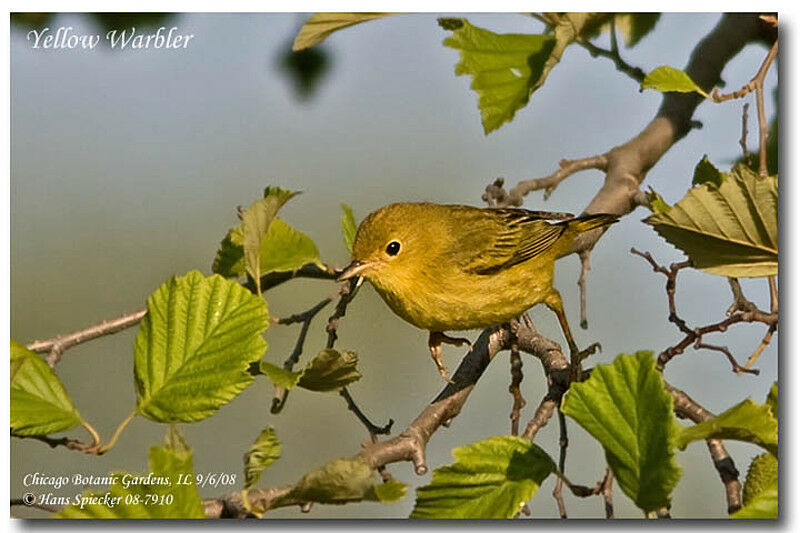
456, 267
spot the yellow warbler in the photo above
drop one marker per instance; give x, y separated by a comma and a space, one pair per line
455, 267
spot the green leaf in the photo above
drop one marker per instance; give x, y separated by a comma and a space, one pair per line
389, 492
635, 26
706, 172
491, 478
667, 79
283, 249
728, 230
632, 26
656, 203
342, 481
330, 370
280, 376
39, 403
195, 345
229, 261
625, 407
320, 25
160, 496
348, 227
761, 474
505, 68
265, 450
256, 221
746, 421
765, 505
772, 400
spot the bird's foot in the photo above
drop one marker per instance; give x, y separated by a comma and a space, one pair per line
454, 341
435, 341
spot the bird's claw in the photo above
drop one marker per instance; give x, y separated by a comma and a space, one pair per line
446, 375
455, 341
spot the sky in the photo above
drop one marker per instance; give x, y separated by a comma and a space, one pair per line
127, 167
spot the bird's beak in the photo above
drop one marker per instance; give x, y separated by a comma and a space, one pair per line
354, 269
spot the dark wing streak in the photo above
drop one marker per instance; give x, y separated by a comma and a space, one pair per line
527, 235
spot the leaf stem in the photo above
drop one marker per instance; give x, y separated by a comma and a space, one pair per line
103, 449
93, 432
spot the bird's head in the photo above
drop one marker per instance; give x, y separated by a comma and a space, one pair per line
392, 244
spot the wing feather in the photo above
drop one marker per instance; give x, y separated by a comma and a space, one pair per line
507, 237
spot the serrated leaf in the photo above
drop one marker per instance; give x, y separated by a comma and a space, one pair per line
505, 68
265, 450
492, 478
39, 403
625, 407
765, 505
320, 26
338, 482
668, 79
772, 399
194, 346
706, 172
280, 376
256, 221
348, 227
162, 497
729, 230
746, 421
330, 370
761, 474
283, 249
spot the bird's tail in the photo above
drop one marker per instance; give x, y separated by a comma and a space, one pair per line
584, 223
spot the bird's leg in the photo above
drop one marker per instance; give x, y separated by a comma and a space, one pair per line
553, 301
435, 340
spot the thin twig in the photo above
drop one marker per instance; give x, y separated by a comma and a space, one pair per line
57, 345
346, 294
584, 256
743, 139
763, 125
742, 310
496, 196
281, 393
563, 442
686, 407
606, 490
513, 388
371, 428
635, 73
764, 343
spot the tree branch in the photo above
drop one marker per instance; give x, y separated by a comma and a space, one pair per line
685, 407
57, 345
635, 73
742, 310
281, 393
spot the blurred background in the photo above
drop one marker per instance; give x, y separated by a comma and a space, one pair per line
127, 167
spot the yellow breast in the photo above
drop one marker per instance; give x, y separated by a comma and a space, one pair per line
463, 301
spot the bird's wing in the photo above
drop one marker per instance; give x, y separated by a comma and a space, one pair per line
508, 237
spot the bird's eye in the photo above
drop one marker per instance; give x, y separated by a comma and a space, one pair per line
393, 248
